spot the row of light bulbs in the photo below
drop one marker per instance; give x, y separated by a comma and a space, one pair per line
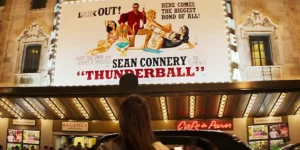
192, 106
108, 109
55, 108
228, 38
250, 105
9, 109
277, 104
222, 105
162, 103
164, 109
81, 109
33, 110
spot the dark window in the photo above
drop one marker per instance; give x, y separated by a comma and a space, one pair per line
2, 2
260, 48
31, 60
38, 4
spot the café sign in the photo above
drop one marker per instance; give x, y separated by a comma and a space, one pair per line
205, 125
75, 126
24, 122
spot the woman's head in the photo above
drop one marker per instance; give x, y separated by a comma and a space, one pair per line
184, 31
111, 25
135, 124
151, 14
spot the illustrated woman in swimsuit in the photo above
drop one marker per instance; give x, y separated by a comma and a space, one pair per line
152, 25
122, 34
104, 45
181, 37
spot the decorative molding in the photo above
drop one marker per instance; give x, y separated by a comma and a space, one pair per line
256, 18
34, 31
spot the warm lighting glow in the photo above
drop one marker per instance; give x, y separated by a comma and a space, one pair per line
222, 105
32, 109
250, 105
81, 108
192, 106
12, 111
108, 109
55, 108
164, 108
277, 104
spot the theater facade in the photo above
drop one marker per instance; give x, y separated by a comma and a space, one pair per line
229, 65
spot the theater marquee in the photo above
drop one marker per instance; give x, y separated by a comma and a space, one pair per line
177, 41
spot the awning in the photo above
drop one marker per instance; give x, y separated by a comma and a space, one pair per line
167, 102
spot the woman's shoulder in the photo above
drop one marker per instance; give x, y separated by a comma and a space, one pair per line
159, 146
111, 145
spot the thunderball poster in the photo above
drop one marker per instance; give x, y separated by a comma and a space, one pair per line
161, 42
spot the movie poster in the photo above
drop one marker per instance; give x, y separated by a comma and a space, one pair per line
161, 42
259, 145
31, 147
14, 136
278, 131
31, 137
258, 132
12, 146
276, 144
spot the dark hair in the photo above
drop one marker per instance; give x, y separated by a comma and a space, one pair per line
137, 4
109, 29
185, 38
186, 34
135, 123
46, 147
51, 148
60, 149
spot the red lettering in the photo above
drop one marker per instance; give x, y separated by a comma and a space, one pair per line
215, 125
89, 74
179, 73
160, 72
118, 74
108, 74
193, 126
98, 75
188, 72
197, 126
171, 72
149, 72
206, 124
139, 73
181, 125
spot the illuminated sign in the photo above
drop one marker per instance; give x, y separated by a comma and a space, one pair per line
233, 53
170, 42
267, 120
205, 125
24, 122
75, 126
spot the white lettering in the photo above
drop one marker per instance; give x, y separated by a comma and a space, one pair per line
232, 39
236, 75
230, 23
234, 56
53, 34
228, 8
